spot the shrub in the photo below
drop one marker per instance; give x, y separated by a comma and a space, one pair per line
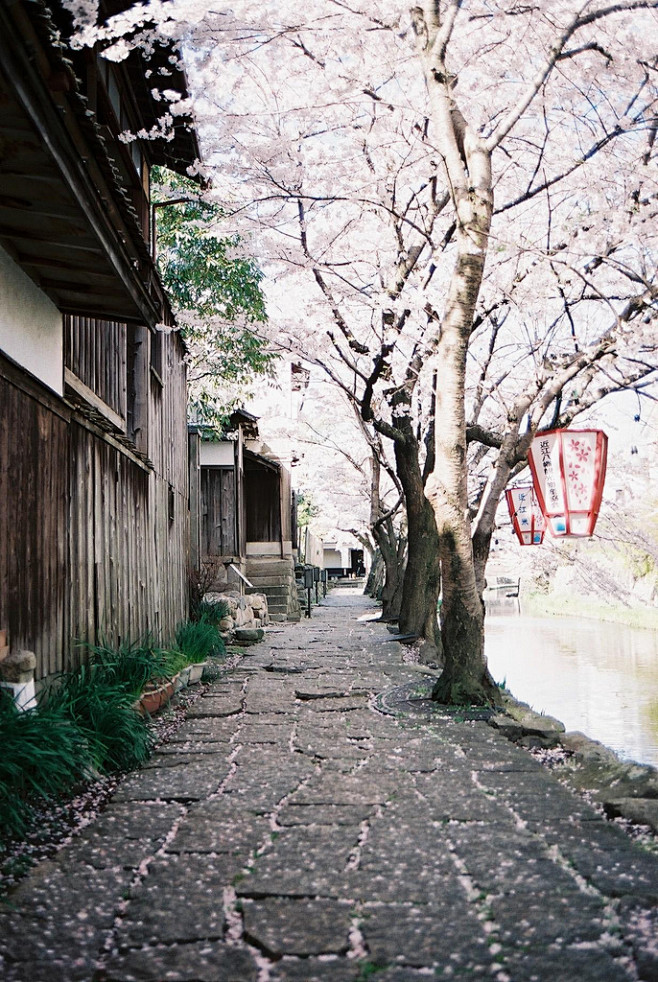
44, 754
197, 640
200, 581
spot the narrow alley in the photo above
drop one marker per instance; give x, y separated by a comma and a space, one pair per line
290, 831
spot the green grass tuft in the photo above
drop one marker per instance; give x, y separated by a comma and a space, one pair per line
102, 708
44, 754
198, 640
212, 611
130, 666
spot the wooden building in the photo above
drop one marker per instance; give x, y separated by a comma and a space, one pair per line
247, 522
94, 518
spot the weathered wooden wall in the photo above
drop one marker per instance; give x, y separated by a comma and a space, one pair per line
95, 351
93, 541
263, 503
130, 522
218, 511
34, 499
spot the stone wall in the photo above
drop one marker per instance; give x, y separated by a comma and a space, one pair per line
244, 612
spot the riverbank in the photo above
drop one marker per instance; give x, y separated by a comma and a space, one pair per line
291, 831
572, 605
621, 789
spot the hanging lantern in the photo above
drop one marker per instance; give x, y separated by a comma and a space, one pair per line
568, 470
527, 519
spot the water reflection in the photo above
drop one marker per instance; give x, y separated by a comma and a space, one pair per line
596, 677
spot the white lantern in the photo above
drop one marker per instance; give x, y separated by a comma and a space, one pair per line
527, 519
568, 470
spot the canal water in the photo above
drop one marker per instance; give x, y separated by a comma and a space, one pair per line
596, 677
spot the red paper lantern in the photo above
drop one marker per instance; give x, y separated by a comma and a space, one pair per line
527, 519
568, 470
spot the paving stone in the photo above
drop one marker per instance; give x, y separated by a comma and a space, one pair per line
336, 757
348, 704
415, 879
216, 706
262, 789
349, 789
72, 957
306, 862
531, 808
549, 919
640, 925
268, 695
259, 733
297, 927
440, 972
108, 853
350, 815
462, 805
213, 730
586, 964
217, 826
180, 753
608, 859
57, 923
325, 969
134, 820
336, 690
201, 962
187, 782
181, 899
312, 721
506, 861
426, 935
87, 896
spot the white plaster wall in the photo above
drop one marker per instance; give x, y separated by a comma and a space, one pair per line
332, 558
217, 454
314, 550
31, 330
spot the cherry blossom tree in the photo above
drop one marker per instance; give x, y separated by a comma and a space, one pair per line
462, 192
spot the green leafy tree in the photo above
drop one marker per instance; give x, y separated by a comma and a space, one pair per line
216, 293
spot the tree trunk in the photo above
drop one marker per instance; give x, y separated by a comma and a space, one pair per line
422, 580
467, 160
465, 678
392, 552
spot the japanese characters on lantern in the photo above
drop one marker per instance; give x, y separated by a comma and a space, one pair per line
525, 513
568, 469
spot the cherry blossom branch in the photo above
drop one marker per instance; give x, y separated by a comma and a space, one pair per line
556, 52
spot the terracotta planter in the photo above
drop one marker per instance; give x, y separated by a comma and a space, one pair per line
167, 689
155, 696
149, 702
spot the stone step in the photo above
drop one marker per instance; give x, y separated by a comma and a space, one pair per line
278, 609
272, 591
258, 586
277, 566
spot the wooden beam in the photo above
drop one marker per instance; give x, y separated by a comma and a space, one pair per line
74, 383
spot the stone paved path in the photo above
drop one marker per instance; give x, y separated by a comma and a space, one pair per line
291, 832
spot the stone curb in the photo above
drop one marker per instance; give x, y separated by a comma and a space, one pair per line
623, 789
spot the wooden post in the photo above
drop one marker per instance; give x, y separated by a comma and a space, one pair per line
194, 444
